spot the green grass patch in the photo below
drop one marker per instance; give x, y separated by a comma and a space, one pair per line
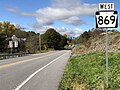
88, 72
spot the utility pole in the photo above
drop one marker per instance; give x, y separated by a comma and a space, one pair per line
40, 42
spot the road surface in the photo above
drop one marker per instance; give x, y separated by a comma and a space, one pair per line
35, 72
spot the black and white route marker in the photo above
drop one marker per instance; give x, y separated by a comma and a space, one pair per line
106, 19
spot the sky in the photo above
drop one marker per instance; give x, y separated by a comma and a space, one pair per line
71, 17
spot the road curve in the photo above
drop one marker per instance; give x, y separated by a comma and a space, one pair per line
34, 72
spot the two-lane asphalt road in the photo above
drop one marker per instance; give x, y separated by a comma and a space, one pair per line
34, 72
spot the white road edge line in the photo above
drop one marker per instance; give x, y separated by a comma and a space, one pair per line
32, 75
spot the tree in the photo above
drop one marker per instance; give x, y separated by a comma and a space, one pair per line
53, 39
62, 42
31, 44
84, 37
7, 28
65, 35
3, 43
20, 34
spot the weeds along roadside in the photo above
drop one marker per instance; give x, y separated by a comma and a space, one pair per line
88, 72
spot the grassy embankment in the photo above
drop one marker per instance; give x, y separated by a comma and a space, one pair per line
87, 72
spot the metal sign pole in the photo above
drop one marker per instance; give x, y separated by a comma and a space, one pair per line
11, 50
106, 58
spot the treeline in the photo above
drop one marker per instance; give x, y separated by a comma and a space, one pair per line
29, 41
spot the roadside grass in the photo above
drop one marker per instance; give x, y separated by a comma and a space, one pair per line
88, 72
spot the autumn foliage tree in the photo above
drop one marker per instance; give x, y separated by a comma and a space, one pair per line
7, 28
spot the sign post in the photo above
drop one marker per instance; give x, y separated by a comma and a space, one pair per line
106, 17
106, 58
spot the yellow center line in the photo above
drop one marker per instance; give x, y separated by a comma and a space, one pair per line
19, 62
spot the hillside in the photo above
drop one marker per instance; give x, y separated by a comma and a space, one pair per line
95, 41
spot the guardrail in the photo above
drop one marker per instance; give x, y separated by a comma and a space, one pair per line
7, 56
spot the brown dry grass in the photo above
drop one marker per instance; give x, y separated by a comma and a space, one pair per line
98, 44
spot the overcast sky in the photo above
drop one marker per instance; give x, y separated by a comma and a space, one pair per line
67, 16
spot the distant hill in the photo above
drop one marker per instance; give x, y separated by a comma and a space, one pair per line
95, 41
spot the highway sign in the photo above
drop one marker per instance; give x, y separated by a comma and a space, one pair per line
106, 6
10, 44
15, 44
106, 19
